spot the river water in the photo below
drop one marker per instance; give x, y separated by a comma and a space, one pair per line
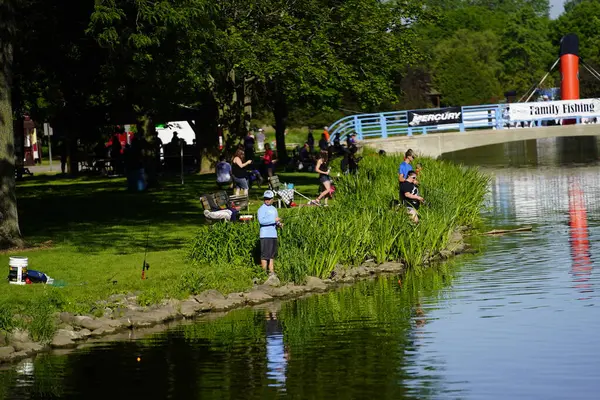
519, 320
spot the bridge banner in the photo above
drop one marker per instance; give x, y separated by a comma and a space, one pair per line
553, 109
437, 116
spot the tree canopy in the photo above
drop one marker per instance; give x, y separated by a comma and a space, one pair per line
88, 65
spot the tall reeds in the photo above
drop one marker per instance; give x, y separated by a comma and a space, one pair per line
361, 224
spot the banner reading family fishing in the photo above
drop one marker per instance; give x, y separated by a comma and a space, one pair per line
554, 109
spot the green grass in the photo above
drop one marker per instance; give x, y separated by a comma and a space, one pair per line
361, 225
98, 233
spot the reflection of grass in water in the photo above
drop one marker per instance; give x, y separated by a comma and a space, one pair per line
384, 302
224, 331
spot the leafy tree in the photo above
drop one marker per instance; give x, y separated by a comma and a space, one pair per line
526, 51
466, 68
582, 19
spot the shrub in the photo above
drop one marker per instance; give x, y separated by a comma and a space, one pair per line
360, 225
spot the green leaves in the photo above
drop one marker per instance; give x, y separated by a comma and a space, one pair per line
360, 225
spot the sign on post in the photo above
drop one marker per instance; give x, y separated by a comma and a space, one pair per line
439, 116
49, 132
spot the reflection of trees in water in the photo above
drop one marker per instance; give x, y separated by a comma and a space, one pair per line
356, 342
577, 150
530, 153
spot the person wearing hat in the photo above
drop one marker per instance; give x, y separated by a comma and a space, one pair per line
269, 221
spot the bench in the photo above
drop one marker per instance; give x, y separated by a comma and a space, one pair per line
212, 202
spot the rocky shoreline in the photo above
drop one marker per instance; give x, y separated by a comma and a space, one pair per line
126, 319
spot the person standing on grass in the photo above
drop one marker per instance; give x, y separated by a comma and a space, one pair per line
240, 175
322, 168
269, 221
326, 133
249, 146
260, 139
409, 195
311, 142
405, 166
323, 143
268, 160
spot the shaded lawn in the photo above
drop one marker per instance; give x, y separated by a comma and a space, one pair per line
98, 232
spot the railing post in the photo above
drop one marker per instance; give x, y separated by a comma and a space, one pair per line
409, 131
461, 126
424, 131
383, 125
578, 119
358, 127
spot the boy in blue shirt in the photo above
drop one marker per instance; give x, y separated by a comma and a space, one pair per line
405, 165
269, 221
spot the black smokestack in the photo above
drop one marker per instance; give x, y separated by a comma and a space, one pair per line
569, 44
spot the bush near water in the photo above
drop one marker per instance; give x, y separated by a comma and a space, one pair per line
360, 225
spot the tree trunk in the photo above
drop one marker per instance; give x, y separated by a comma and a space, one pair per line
280, 111
205, 126
248, 103
10, 235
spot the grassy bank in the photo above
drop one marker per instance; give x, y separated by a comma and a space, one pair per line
93, 235
89, 234
360, 226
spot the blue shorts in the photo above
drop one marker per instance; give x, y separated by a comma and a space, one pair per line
241, 183
324, 178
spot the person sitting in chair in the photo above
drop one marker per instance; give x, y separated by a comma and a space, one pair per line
223, 170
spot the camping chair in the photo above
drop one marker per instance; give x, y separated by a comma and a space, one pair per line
283, 193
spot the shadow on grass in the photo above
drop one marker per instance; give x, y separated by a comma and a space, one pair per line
96, 214
99, 214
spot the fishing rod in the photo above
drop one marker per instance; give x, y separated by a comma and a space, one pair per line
145, 265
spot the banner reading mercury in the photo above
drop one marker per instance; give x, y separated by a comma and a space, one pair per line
554, 109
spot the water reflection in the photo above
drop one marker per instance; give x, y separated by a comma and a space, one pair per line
580, 245
277, 352
518, 321
530, 153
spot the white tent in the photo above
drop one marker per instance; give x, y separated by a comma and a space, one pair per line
183, 129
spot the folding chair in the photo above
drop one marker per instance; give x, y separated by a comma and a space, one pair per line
283, 193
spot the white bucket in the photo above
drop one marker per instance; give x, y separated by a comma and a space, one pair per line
18, 264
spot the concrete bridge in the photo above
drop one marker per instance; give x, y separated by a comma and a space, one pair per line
433, 132
437, 144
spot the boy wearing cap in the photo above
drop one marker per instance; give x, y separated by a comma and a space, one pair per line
269, 221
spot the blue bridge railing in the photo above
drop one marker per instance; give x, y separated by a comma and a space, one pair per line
396, 123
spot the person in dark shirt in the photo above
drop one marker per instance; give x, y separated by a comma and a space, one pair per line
409, 195
311, 142
249, 146
323, 144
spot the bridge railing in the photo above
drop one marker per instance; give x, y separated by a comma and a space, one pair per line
396, 123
